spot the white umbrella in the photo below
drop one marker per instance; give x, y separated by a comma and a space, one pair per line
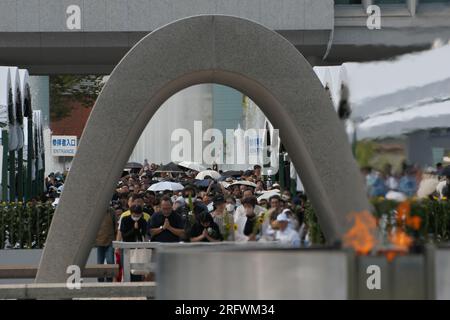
245, 183
202, 175
192, 165
267, 194
225, 184
166, 185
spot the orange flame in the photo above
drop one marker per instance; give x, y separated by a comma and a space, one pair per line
390, 255
361, 237
414, 222
401, 242
404, 214
403, 210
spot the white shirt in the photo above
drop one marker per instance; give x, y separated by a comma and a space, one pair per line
392, 183
288, 236
240, 218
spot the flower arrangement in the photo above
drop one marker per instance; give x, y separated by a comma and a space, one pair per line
191, 216
316, 235
425, 220
227, 225
259, 222
25, 225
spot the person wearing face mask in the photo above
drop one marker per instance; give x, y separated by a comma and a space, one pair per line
134, 229
134, 226
223, 218
137, 200
230, 204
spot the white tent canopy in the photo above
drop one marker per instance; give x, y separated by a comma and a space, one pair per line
38, 139
384, 86
428, 116
5, 87
15, 133
26, 99
24, 89
394, 97
329, 77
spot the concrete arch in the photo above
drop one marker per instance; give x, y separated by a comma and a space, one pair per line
204, 49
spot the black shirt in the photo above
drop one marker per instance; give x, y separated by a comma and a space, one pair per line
175, 220
129, 233
250, 225
197, 230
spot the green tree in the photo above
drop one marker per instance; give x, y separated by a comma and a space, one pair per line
65, 88
365, 151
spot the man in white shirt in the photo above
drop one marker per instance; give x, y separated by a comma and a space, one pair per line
284, 234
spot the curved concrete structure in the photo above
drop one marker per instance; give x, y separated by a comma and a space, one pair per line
204, 49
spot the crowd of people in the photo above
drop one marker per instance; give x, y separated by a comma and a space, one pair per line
412, 181
234, 206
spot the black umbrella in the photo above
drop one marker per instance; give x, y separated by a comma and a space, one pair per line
202, 183
170, 167
232, 173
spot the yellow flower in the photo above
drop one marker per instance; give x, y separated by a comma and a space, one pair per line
435, 198
235, 227
261, 220
4, 203
227, 227
444, 198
